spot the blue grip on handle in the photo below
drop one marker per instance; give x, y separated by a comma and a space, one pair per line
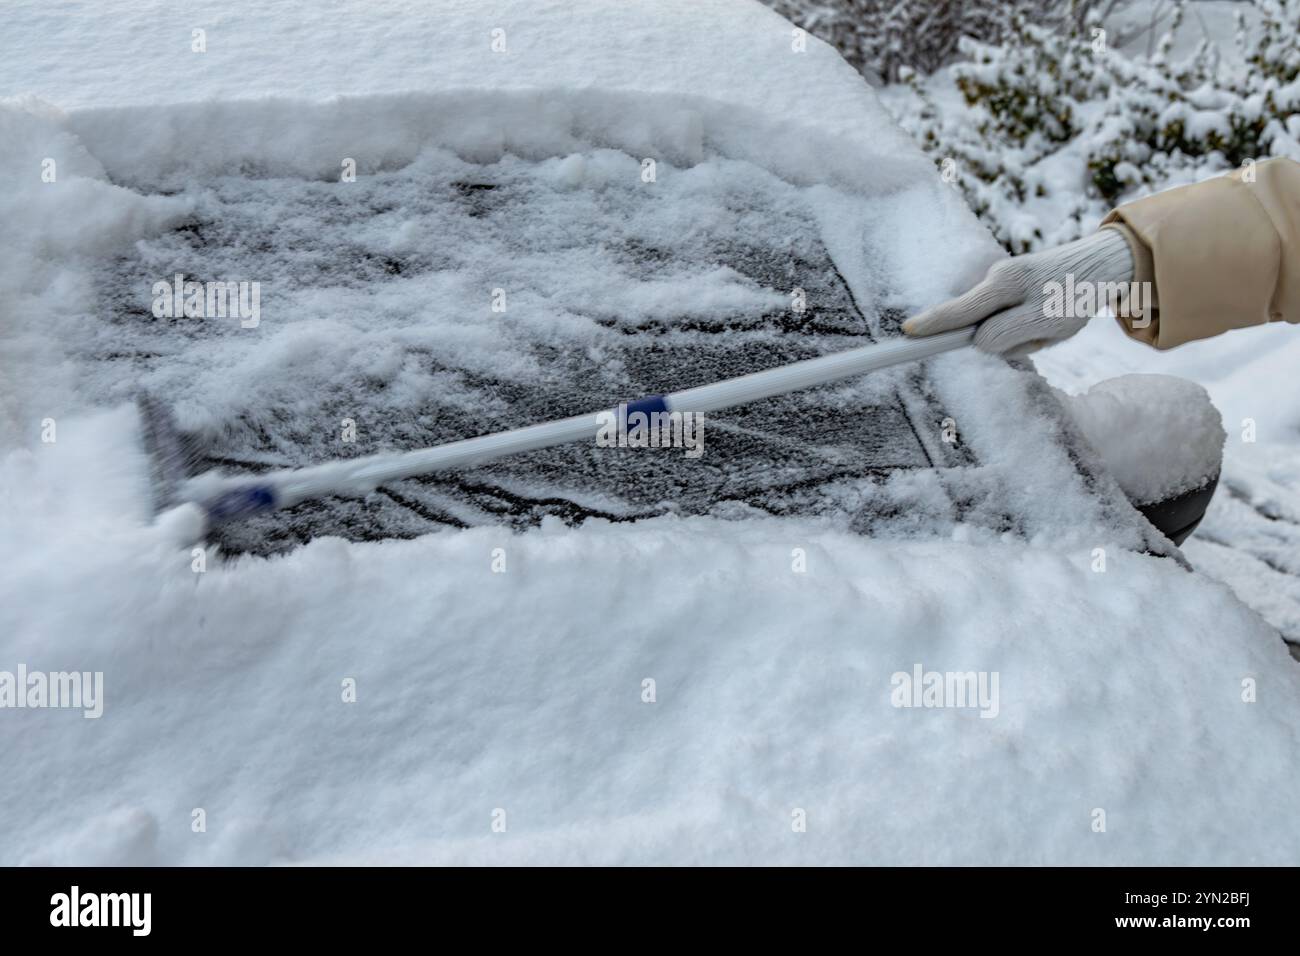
655, 403
241, 503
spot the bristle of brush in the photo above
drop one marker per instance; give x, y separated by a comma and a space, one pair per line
172, 454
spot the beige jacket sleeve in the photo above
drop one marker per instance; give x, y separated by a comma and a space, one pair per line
1220, 255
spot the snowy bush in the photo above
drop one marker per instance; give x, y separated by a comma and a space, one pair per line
885, 37
1054, 113
1163, 119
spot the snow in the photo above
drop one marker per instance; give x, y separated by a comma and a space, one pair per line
772, 642
1250, 538
570, 70
1160, 436
523, 691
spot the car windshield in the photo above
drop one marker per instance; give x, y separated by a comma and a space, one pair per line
450, 299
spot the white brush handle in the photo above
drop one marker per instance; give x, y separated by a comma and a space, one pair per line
241, 497
817, 371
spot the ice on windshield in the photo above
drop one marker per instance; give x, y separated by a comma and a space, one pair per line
450, 299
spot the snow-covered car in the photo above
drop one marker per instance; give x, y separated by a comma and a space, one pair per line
464, 220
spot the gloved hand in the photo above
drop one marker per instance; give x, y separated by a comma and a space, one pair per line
1009, 303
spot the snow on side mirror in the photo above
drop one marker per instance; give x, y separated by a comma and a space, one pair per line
1161, 438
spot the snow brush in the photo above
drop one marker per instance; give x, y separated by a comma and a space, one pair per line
233, 498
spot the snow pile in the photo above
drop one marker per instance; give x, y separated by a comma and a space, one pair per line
665, 691
58, 211
1159, 436
535, 79
524, 690
79, 212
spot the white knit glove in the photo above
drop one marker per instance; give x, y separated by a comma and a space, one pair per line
1012, 305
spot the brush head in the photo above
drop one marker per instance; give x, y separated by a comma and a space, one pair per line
172, 453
